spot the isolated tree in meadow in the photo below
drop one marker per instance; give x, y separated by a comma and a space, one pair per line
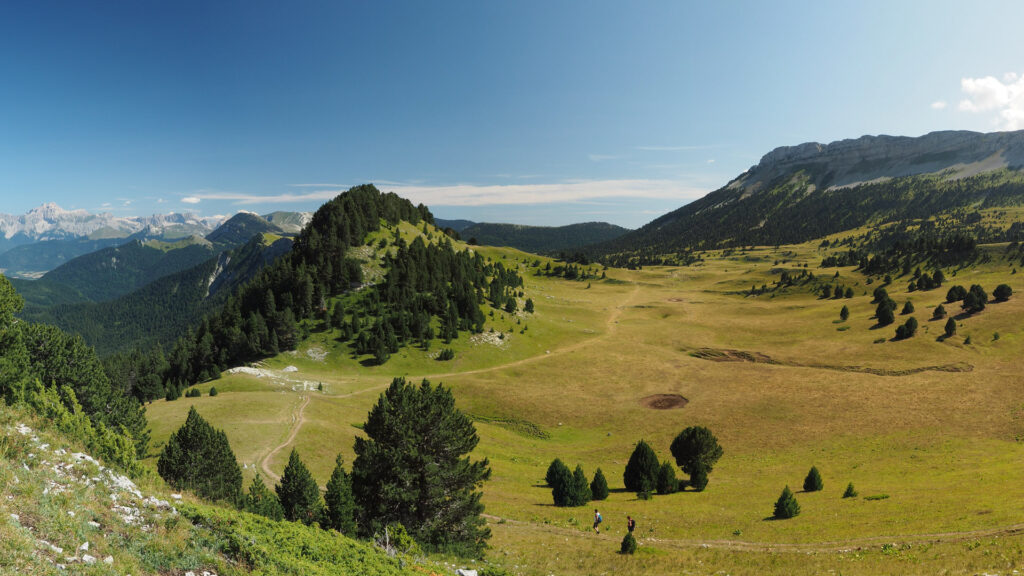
956, 293
813, 483
907, 329
850, 491
908, 308
844, 313
786, 506
950, 327
849, 292
261, 500
1002, 292
667, 481
341, 507
696, 451
939, 312
413, 467
299, 493
198, 457
555, 469
643, 465
529, 305
598, 486
628, 545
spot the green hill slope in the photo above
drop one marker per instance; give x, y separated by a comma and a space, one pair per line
542, 239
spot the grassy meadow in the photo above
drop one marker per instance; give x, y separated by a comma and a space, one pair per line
935, 426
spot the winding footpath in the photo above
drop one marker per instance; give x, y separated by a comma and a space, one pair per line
297, 420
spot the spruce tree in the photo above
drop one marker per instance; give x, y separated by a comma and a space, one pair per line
340, 514
562, 486
786, 506
260, 500
696, 451
844, 313
667, 482
599, 486
298, 492
413, 467
580, 492
939, 312
813, 483
642, 465
198, 457
908, 308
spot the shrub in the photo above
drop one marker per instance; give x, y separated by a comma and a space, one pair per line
884, 312
813, 483
844, 313
643, 465
907, 329
1002, 292
628, 545
880, 295
849, 292
599, 486
213, 391
908, 308
850, 492
975, 299
939, 312
446, 354
696, 451
260, 500
786, 506
193, 393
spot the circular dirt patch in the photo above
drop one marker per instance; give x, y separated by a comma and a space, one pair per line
664, 401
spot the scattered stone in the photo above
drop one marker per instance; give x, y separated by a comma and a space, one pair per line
465, 572
94, 524
108, 560
88, 559
289, 369
176, 496
84, 547
16, 518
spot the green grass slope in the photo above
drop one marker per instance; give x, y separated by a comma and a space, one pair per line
542, 239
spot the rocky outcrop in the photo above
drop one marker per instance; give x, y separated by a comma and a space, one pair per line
852, 161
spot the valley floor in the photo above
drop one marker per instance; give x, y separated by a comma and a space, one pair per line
928, 430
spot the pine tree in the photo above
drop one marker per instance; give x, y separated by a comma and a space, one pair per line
599, 486
950, 327
850, 491
198, 457
298, 492
1002, 292
844, 313
939, 312
580, 491
642, 465
555, 470
667, 482
340, 514
528, 307
908, 308
413, 468
260, 500
883, 313
786, 506
696, 451
813, 483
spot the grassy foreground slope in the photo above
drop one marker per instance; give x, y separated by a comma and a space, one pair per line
933, 425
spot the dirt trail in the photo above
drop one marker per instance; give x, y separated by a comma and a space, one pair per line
610, 324
836, 546
296, 424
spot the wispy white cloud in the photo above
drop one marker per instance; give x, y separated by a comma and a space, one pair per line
602, 157
711, 160
677, 148
318, 185
939, 105
489, 194
1004, 97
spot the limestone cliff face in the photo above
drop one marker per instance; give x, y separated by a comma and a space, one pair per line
867, 158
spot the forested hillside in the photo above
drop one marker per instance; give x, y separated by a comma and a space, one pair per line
159, 312
541, 239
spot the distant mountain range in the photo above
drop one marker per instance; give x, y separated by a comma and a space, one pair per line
798, 193
537, 239
49, 236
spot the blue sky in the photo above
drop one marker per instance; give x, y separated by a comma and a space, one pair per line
546, 112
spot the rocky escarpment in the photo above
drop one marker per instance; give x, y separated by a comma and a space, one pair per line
869, 158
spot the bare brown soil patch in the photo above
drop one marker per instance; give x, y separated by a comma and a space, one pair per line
664, 401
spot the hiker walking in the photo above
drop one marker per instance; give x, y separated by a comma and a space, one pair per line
597, 521
630, 524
